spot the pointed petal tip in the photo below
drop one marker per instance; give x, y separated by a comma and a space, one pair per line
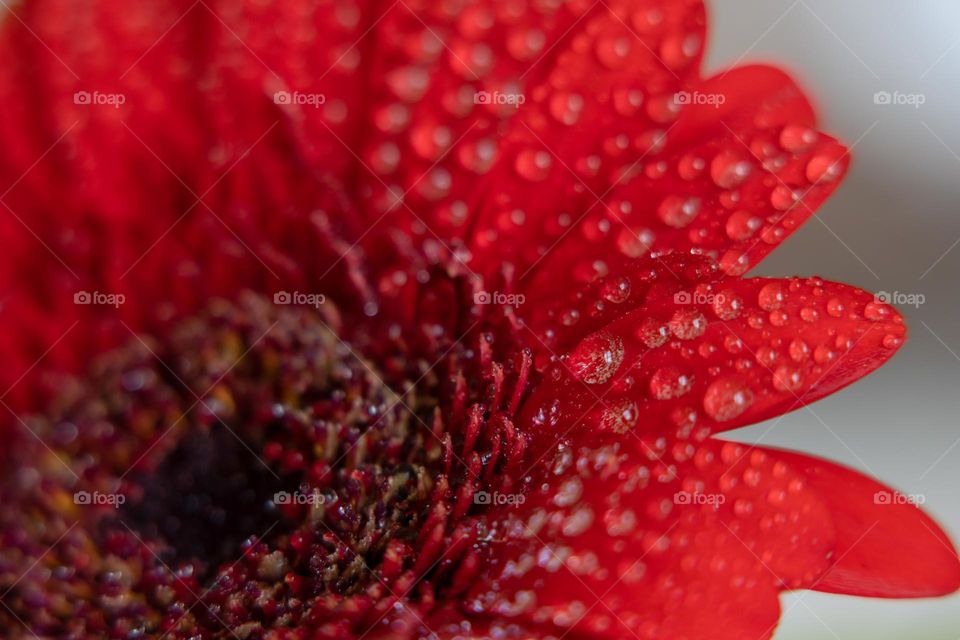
887, 546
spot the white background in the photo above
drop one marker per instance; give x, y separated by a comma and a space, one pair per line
891, 227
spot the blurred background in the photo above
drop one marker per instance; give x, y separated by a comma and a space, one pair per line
893, 226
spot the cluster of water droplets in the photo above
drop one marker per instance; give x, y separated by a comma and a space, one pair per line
701, 358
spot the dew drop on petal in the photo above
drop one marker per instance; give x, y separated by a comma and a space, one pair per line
634, 244
687, 324
823, 168
653, 333
534, 165
877, 311
782, 197
891, 341
729, 169
787, 379
727, 305
597, 357
742, 224
770, 297
619, 417
668, 383
835, 307
726, 398
616, 291
797, 138
677, 211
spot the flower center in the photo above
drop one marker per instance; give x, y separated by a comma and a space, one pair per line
248, 471
207, 496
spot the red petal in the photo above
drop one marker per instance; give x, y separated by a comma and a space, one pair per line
886, 546
435, 122
732, 180
713, 358
560, 319
605, 101
675, 540
173, 195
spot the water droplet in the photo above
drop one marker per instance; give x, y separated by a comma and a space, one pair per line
534, 165
616, 291
809, 314
822, 354
877, 311
678, 211
727, 305
782, 197
613, 51
634, 244
653, 333
524, 44
766, 356
771, 296
797, 138
690, 166
669, 382
729, 169
687, 324
778, 318
597, 357
566, 107
727, 398
742, 224
891, 341
787, 379
824, 168
627, 101
835, 307
619, 417
799, 351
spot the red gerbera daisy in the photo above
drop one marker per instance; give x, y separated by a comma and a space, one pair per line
372, 320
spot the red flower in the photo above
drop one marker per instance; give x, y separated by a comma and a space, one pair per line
392, 320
